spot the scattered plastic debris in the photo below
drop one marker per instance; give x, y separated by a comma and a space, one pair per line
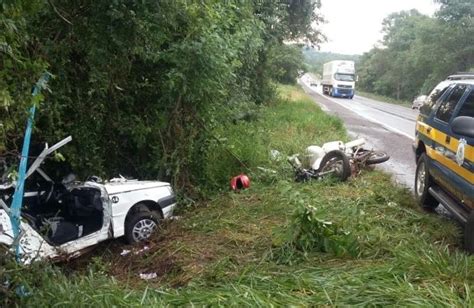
275, 155
266, 170
145, 248
125, 252
148, 276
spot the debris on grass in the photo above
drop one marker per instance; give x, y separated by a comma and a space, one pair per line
145, 248
148, 276
125, 252
276, 155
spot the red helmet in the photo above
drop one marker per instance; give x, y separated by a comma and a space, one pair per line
240, 182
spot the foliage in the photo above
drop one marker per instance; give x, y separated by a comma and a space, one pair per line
311, 232
286, 63
18, 70
419, 51
142, 85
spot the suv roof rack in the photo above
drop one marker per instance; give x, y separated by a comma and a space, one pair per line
461, 76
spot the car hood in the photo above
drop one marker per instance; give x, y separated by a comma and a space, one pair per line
117, 187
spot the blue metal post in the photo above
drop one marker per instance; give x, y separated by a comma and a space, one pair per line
15, 210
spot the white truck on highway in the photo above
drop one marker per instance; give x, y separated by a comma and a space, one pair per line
339, 78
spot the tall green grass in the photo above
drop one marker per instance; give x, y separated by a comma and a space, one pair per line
288, 126
246, 249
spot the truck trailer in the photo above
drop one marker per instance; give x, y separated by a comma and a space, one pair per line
339, 78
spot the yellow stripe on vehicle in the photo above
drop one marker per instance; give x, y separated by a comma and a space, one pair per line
452, 165
440, 137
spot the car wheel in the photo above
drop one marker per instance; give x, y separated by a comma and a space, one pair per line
469, 234
140, 226
423, 182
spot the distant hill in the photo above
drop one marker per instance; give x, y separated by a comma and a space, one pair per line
315, 59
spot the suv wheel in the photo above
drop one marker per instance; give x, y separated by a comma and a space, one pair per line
423, 182
469, 234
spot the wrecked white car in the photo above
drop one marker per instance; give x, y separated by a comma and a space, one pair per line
63, 220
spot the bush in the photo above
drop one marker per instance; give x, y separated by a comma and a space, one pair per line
311, 232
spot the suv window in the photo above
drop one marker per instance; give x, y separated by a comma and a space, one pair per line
437, 92
445, 110
468, 108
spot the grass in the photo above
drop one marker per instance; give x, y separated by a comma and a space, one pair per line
247, 248
383, 98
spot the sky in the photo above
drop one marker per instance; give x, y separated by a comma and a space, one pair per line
353, 26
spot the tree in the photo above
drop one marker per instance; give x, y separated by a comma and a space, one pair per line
141, 84
18, 72
419, 51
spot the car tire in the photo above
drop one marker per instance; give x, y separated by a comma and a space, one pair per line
423, 182
140, 226
469, 234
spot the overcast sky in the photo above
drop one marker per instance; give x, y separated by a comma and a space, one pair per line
353, 26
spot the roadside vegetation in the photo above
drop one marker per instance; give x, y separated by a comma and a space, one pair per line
140, 86
361, 242
386, 99
419, 51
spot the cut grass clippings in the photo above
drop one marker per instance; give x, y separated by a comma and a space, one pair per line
370, 244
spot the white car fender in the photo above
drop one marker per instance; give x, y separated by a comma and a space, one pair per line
127, 194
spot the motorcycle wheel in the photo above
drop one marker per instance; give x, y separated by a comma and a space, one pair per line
368, 157
377, 157
336, 163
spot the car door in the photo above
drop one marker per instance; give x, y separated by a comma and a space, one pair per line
77, 247
443, 167
464, 146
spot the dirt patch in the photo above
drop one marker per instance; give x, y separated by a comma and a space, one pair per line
162, 256
210, 240
175, 256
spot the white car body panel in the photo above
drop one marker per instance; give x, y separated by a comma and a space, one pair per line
127, 193
33, 245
